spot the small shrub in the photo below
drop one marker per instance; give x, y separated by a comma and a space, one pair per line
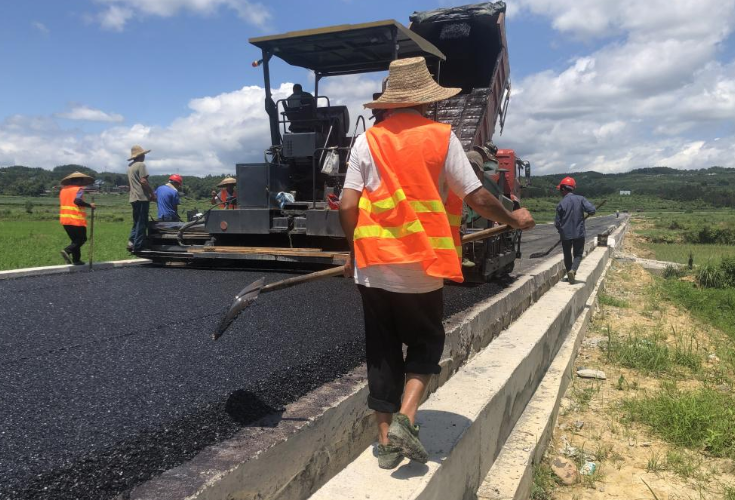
727, 266
672, 271
29, 207
711, 276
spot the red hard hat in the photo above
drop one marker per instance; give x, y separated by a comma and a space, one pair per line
567, 181
176, 178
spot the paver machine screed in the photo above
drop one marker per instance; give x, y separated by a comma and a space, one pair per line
286, 213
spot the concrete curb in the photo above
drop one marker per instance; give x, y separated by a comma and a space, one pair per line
511, 476
291, 456
467, 421
66, 269
655, 266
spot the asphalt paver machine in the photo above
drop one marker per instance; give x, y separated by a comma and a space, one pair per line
287, 213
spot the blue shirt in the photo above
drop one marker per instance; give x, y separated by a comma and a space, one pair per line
570, 216
168, 201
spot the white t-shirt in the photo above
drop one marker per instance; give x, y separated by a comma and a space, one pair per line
457, 175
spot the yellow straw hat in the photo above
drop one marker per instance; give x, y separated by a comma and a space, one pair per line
227, 181
136, 151
410, 84
86, 180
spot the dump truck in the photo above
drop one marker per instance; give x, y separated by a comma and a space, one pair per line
286, 213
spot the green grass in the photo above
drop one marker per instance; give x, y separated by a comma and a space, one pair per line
543, 482
679, 252
701, 419
37, 243
715, 306
608, 300
650, 354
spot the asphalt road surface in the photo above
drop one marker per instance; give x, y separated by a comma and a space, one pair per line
110, 378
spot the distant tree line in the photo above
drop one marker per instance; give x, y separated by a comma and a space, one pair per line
713, 186
28, 181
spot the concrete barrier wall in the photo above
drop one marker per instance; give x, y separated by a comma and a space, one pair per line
511, 475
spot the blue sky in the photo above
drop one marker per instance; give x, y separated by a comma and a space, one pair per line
598, 84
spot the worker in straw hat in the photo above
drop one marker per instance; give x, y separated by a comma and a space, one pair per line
141, 195
73, 216
401, 210
227, 196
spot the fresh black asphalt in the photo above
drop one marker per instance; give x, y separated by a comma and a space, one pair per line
111, 377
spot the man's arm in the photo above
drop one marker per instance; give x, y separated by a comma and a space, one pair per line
147, 189
557, 217
490, 207
588, 207
348, 213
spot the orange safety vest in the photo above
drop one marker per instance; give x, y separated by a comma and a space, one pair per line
223, 197
404, 220
71, 214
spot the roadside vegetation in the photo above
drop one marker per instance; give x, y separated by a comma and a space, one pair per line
661, 425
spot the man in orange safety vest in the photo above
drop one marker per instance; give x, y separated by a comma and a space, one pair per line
73, 216
401, 211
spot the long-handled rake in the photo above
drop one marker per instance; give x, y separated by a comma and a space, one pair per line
250, 293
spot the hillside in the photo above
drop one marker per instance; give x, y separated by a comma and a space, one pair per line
27, 181
713, 186
710, 187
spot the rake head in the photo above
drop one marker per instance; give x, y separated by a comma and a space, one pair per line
242, 300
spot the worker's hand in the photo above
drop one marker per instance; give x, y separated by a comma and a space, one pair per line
522, 219
349, 268
154, 197
93, 206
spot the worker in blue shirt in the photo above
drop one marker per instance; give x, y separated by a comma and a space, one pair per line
168, 199
570, 224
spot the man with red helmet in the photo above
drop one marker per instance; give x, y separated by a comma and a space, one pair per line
570, 224
168, 199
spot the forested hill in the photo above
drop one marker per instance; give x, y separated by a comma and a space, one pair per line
27, 181
713, 186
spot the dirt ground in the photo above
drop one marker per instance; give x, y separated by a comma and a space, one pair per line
591, 426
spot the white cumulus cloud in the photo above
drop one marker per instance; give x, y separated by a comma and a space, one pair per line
651, 95
116, 13
218, 132
85, 113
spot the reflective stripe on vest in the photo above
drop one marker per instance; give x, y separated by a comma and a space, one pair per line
71, 214
404, 220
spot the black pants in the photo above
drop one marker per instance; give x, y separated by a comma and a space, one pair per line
573, 251
140, 223
391, 320
78, 236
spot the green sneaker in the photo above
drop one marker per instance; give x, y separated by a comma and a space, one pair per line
406, 437
389, 456
570, 277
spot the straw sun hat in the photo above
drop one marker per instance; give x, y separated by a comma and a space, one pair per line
85, 180
227, 181
410, 84
137, 151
